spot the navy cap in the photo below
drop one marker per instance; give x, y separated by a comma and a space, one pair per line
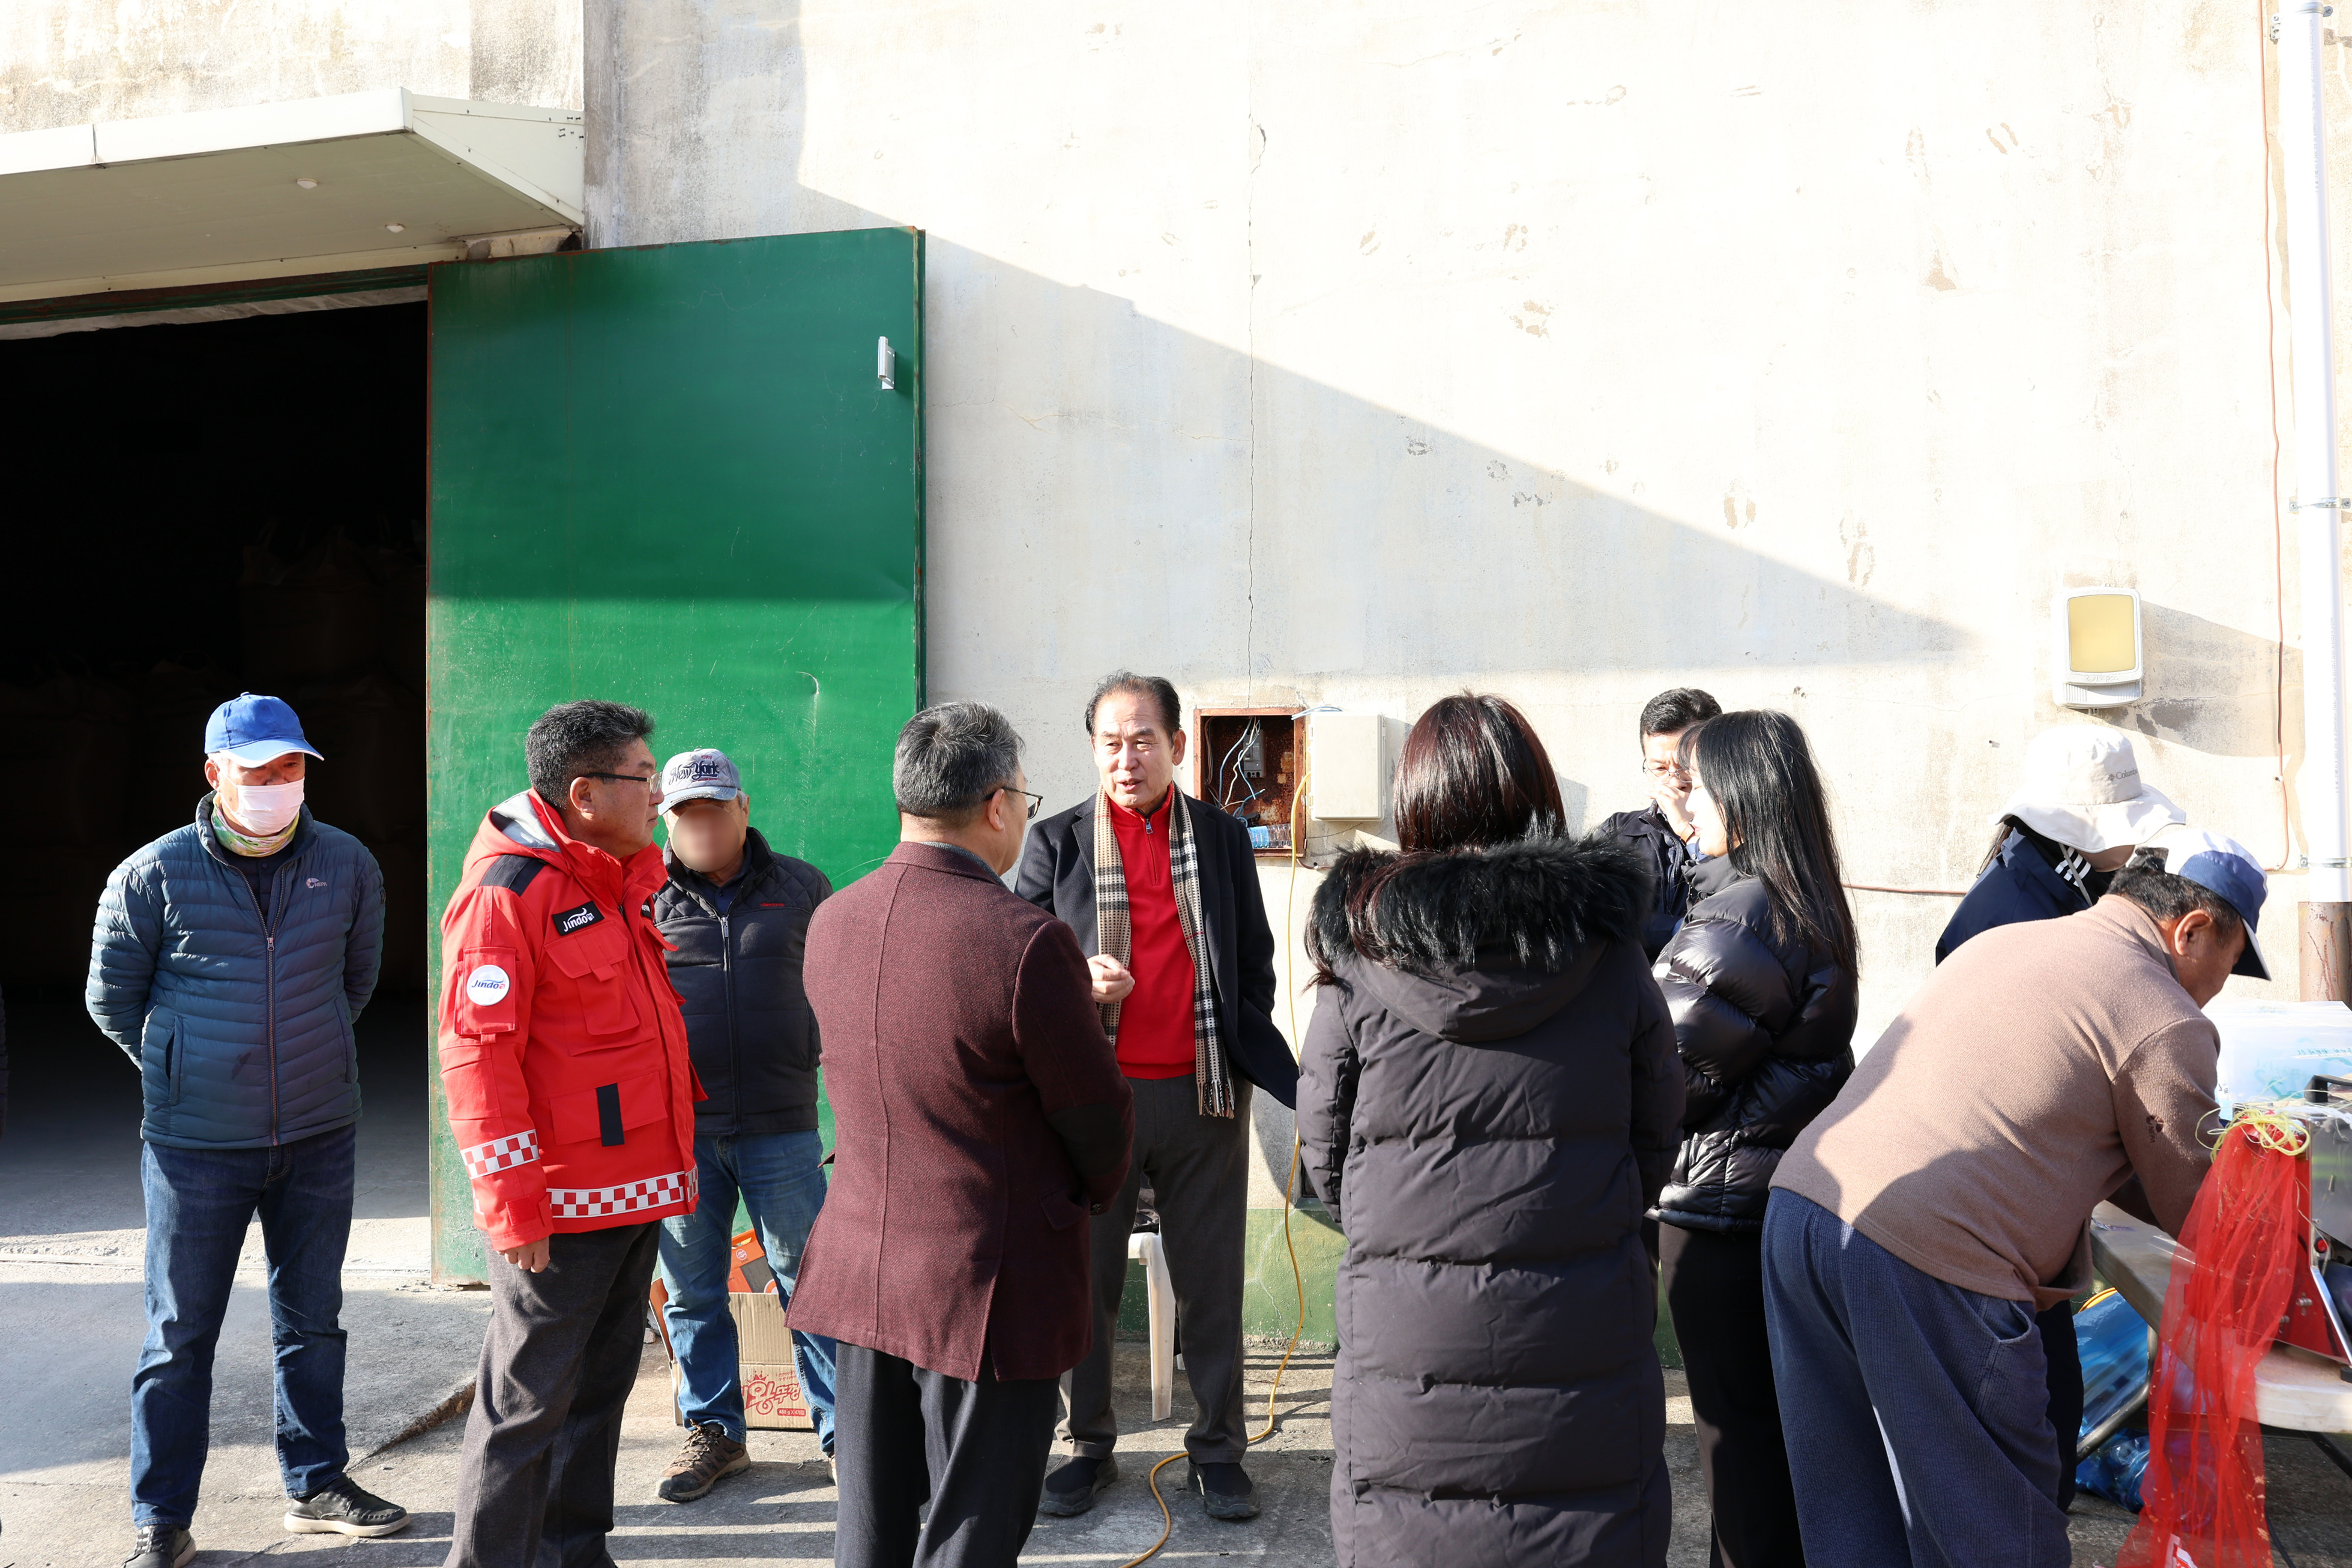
252, 730
2226, 868
704, 775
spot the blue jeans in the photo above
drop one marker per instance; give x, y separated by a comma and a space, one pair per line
199, 1202
778, 1177
1917, 1413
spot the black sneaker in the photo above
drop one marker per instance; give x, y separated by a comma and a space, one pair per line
342, 1507
162, 1546
1072, 1489
1225, 1490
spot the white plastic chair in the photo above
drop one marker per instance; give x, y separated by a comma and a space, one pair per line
1161, 1297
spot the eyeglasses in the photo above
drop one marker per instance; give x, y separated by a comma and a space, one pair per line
1034, 800
623, 778
1660, 770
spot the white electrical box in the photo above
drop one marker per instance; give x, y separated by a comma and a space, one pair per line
1349, 762
2096, 657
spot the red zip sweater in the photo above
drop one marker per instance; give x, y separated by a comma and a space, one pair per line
562, 1051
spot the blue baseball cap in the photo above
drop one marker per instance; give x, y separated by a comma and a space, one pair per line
2226, 868
252, 730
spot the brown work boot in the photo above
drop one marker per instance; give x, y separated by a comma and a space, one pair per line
709, 1454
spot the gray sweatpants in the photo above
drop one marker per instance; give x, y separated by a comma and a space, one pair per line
1197, 1169
535, 1481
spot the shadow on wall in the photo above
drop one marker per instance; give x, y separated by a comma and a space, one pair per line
1072, 439
2217, 690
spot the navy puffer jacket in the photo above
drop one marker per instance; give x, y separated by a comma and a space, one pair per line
242, 1034
1765, 1028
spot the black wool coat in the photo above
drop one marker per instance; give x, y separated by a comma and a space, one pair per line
1487, 1103
1057, 875
1765, 1028
748, 1025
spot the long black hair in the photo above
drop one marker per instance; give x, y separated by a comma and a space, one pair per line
1775, 819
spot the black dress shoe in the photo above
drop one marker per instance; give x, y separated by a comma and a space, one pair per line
1225, 1490
162, 1546
1072, 1489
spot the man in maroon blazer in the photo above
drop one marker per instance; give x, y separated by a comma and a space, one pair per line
980, 1116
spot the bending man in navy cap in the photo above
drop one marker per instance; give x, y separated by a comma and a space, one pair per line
1920, 1223
231, 958
738, 913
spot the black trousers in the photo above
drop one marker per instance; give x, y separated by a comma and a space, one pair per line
2065, 1358
1715, 1289
535, 1482
974, 1451
1197, 1169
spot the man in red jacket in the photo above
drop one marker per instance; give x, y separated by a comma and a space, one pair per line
570, 1092
980, 1116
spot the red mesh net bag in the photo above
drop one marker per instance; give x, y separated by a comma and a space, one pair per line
2204, 1485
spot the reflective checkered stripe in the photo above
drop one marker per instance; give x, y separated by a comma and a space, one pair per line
500, 1153
591, 1202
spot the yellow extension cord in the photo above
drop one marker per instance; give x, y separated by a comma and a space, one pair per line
1290, 1201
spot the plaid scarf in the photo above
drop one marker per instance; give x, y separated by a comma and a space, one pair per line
1115, 937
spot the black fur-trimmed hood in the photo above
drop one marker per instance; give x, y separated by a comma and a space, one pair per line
1482, 944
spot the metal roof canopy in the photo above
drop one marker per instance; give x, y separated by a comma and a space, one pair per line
391, 178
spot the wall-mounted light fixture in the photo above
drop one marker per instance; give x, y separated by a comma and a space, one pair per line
886, 365
2096, 658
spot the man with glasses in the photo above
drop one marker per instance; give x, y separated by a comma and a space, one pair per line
1663, 830
566, 1064
979, 1117
1163, 891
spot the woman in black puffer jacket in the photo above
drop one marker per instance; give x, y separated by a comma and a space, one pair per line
1761, 982
1488, 1102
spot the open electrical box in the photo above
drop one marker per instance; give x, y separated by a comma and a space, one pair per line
1245, 763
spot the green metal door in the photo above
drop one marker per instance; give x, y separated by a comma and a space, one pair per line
672, 477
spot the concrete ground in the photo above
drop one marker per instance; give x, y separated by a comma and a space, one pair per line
71, 1320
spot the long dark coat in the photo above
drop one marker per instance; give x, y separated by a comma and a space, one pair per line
1488, 1108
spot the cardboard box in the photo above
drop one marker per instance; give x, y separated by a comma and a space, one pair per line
773, 1401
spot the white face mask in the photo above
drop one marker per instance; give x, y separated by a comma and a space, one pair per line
264, 808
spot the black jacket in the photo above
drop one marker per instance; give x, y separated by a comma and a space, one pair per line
1766, 1033
1487, 1110
1057, 875
748, 1025
1677, 879
2022, 883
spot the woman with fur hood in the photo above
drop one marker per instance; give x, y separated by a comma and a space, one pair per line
1489, 1099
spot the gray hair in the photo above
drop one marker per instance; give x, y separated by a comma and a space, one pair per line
950, 757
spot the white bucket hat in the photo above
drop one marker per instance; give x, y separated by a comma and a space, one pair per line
2082, 788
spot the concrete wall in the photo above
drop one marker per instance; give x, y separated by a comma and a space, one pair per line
1357, 354
68, 62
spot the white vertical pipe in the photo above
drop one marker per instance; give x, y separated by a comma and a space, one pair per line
2302, 128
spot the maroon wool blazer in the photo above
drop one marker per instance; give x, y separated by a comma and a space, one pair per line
979, 1114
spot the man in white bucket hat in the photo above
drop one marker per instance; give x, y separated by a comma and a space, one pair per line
2078, 814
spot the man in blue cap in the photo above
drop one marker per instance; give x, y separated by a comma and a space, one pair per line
231, 960
1944, 1199
738, 915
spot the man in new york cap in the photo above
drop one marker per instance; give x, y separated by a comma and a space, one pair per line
231, 960
736, 914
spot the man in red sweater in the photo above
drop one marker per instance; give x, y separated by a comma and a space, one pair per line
1162, 890
565, 1061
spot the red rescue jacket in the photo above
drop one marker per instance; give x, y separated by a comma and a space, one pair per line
562, 1050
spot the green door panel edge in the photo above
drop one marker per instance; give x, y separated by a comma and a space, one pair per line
669, 475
